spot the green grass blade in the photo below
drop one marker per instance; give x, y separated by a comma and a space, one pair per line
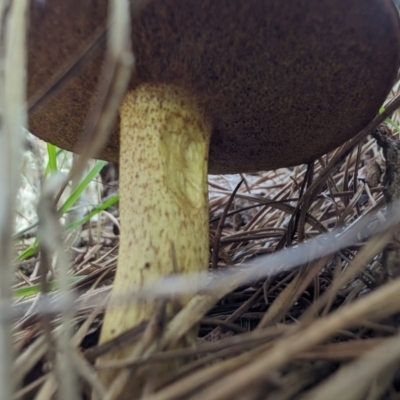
29, 252
108, 203
52, 154
33, 249
82, 186
35, 289
389, 120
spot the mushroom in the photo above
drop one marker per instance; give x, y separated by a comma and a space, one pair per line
219, 86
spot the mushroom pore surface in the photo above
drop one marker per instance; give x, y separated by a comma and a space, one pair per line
281, 83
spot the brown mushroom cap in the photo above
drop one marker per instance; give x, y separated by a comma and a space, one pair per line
282, 82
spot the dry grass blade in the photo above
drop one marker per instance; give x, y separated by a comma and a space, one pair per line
51, 243
387, 297
284, 302
29, 358
13, 118
48, 388
363, 371
113, 84
87, 372
221, 222
116, 74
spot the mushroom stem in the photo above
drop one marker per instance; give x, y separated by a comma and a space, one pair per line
163, 198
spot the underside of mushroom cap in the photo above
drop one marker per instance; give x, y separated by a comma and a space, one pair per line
280, 82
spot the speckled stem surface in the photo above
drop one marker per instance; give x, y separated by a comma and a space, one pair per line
163, 198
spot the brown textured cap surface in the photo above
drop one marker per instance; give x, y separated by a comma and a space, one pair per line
281, 81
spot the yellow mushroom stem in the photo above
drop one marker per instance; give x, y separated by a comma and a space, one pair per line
163, 198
